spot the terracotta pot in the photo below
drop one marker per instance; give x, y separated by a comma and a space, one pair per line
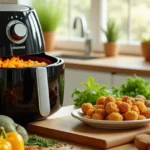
111, 49
49, 38
146, 51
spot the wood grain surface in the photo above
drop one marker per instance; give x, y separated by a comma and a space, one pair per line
70, 129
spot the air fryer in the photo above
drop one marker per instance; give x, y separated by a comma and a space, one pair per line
27, 93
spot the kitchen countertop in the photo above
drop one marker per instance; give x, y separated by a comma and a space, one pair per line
123, 64
65, 111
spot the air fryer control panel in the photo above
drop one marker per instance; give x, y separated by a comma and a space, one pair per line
16, 31
20, 31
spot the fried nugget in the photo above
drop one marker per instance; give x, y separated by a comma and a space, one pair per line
90, 112
141, 96
109, 99
99, 106
115, 116
139, 99
140, 105
86, 116
127, 99
118, 102
131, 115
141, 117
135, 108
118, 99
86, 106
111, 107
124, 107
100, 111
147, 103
101, 100
146, 113
97, 116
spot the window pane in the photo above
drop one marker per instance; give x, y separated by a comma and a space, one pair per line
73, 8
133, 20
140, 21
63, 27
118, 10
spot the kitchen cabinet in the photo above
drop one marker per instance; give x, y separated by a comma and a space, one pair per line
119, 79
74, 77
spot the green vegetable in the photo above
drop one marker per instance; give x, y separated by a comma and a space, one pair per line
41, 142
9, 125
133, 87
91, 92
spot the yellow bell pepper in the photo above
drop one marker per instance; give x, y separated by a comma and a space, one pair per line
4, 144
13, 138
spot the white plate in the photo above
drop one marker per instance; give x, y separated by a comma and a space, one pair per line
108, 124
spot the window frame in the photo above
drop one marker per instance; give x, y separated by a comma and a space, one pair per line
98, 15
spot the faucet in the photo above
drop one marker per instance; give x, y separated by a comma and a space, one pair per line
84, 33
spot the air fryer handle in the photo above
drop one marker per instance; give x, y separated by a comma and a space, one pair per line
43, 91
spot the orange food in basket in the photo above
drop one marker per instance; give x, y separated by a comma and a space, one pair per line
17, 62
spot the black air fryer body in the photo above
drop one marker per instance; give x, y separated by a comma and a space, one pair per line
31, 93
20, 32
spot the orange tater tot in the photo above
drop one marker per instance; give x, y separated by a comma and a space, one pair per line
97, 116
115, 116
101, 100
140, 105
131, 115
124, 107
86, 106
109, 99
111, 107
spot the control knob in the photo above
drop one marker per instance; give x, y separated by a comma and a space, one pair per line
16, 32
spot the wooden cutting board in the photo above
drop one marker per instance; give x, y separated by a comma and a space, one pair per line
71, 129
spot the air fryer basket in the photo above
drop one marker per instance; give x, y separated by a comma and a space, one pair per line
19, 95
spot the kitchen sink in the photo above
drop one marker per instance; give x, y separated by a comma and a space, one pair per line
64, 56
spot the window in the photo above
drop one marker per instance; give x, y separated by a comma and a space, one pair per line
132, 16
73, 8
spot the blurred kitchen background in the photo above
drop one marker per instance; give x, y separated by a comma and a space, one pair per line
131, 16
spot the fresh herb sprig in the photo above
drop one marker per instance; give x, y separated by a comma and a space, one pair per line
90, 93
41, 142
132, 87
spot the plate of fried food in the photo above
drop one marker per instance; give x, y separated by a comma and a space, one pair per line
115, 113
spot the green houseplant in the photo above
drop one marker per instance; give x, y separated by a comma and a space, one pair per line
50, 14
145, 47
111, 32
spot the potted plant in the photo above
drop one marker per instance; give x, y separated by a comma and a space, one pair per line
111, 48
50, 14
145, 47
